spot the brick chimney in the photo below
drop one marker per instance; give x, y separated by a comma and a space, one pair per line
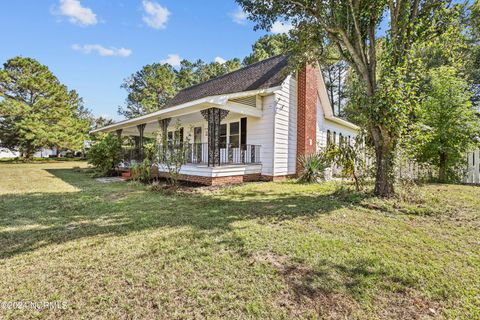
307, 81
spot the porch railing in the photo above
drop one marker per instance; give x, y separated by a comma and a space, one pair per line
197, 153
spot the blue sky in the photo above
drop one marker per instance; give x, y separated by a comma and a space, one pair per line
92, 45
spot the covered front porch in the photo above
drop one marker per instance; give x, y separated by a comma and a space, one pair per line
216, 133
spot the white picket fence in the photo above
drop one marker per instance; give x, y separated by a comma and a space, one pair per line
472, 175
410, 169
404, 168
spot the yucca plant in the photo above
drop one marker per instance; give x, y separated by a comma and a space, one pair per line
313, 167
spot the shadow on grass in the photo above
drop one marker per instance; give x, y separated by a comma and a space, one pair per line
327, 278
342, 290
32, 221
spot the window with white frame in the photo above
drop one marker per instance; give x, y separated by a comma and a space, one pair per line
234, 138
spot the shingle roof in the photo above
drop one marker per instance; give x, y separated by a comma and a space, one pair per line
261, 75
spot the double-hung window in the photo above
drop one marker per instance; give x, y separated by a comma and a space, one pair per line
223, 136
235, 134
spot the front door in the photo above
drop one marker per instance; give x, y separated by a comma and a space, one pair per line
197, 144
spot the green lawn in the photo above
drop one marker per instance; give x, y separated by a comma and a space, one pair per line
261, 250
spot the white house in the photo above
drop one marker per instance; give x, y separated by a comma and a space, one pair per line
6, 153
42, 153
250, 124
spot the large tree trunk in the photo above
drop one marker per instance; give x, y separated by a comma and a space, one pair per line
27, 151
442, 168
385, 158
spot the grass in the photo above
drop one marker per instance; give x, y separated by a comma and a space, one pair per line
260, 250
40, 160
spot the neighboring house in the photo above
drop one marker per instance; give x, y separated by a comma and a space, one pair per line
6, 153
42, 153
250, 124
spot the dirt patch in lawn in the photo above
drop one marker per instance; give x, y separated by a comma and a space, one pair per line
118, 196
308, 291
406, 304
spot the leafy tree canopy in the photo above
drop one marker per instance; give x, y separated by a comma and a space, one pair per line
473, 40
266, 47
448, 125
385, 95
149, 88
36, 110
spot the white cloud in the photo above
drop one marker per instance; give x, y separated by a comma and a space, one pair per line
220, 60
101, 50
76, 13
279, 27
239, 16
156, 16
173, 60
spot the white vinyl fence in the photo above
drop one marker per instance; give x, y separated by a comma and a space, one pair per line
472, 175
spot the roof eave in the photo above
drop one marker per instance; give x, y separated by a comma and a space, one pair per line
342, 122
215, 100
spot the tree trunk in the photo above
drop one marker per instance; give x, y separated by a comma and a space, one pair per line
28, 152
384, 154
442, 167
355, 179
28, 155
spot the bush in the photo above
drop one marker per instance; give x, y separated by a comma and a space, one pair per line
156, 187
105, 155
349, 158
313, 167
173, 154
142, 171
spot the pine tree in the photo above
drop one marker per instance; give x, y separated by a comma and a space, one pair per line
36, 110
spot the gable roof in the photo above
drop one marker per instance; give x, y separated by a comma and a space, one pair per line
261, 75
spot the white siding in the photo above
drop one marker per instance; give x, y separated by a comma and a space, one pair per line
260, 132
338, 128
292, 128
321, 134
42, 153
285, 130
5, 153
276, 130
221, 171
323, 125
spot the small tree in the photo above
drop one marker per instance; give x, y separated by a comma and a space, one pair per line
105, 155
448, 123
349, 158
173, 153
